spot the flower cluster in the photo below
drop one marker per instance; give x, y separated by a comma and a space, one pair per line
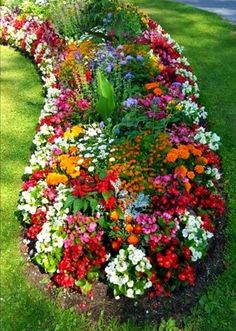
84, 253
123, 182
128, 272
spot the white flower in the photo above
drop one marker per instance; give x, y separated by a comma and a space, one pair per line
130, 293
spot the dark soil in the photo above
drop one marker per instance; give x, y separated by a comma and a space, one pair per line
142, 310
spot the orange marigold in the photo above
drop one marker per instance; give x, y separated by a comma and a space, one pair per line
181, 170
190, 174
199, 169
172, 155
183, 152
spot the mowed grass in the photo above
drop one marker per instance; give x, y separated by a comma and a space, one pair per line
210, 46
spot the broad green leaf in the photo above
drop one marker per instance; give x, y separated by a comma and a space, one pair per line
77, 205
69, 201
106, 103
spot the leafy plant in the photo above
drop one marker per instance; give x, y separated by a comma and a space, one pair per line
106, 103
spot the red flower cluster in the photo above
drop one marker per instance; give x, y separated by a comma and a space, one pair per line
84, 252
37, 220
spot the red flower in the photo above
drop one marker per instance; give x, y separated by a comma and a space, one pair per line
64, 280
33, 231
110, 203
28, 184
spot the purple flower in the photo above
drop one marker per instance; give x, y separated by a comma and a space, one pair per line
78, 56
128, 75
130, 102
123, 62
102, 125
129, 57
139, 58
109, 67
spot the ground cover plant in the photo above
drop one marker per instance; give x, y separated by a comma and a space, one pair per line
123, 128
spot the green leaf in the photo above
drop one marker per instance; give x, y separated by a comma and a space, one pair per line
106, 103
106, 195
85, 204
69, 201
93, 204
50, 264
102, 174
103, 223
80, 282
77, 205
84, 285
92, 275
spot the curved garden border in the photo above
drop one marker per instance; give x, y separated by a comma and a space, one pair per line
48, 79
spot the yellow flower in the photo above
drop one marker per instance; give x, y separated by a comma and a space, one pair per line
77, 130
179, 107
74, 132
70, 164
56, 179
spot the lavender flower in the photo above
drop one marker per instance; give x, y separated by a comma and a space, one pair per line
130, 102
139, 58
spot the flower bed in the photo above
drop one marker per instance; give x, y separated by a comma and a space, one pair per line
123, 186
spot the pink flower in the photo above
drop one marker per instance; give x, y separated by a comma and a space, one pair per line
91, 227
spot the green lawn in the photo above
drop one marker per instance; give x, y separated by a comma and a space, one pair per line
210, 46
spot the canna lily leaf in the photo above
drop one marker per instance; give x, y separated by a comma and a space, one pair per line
106, 103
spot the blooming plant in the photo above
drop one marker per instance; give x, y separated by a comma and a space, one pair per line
123, 184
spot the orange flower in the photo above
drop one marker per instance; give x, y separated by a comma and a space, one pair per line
190, 174
56, 179
181, 170
129, 228
133, 239
151, 86
201, 160
199, 169
114, 215
128, 218
172, 155
157, 91
187, 187
70, 164
183, 152
195, 151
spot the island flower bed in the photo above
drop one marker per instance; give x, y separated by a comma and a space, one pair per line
123, 183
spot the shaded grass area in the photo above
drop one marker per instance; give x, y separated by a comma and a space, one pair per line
210, 45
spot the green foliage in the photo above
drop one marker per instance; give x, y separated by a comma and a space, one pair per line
29, 7
11, 3
169, 325
85, 204
66, 16
106, 103
101, 18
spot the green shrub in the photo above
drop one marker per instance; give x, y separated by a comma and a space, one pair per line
105, 18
